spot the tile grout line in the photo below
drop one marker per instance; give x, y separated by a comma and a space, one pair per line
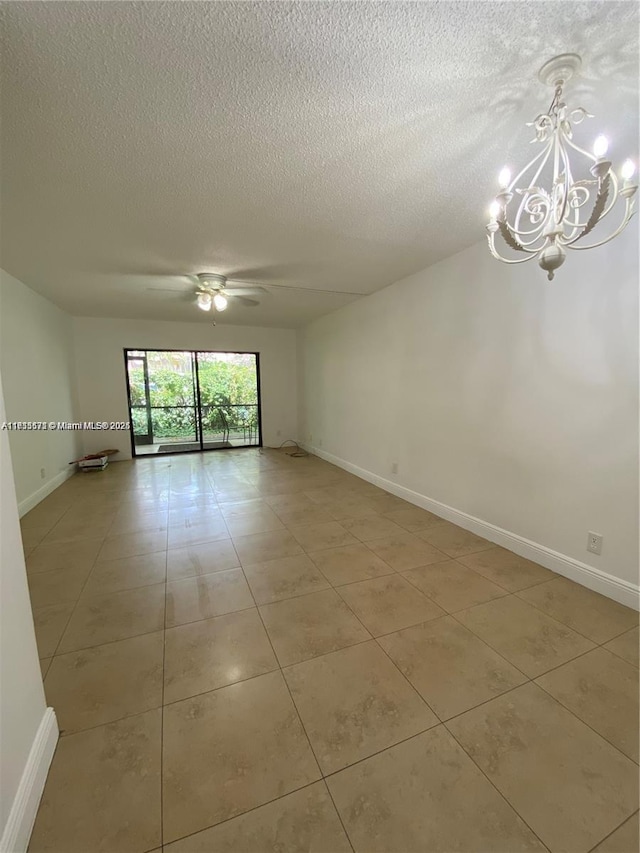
75, 606
164, 656
495, 787
301, 721
584, 722
626, 820
242, 814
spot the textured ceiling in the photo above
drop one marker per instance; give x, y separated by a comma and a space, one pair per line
333, 145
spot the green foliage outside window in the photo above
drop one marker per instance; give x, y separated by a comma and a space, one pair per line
228, 393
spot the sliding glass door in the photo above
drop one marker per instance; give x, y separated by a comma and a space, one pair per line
229, 410
183, 400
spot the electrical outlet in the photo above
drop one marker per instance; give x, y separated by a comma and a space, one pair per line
319, 442
279, 433
594, 542
394, 467
43, 473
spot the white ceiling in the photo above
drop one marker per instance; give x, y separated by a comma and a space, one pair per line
333, 145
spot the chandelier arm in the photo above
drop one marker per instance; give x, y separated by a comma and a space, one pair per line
536, 230
568, 177
612, 180
629, 214
513, 238
612, 176
517, 237
596, 216
544, 155
582, 151
499, 257
545, 151
599, 208
571, 218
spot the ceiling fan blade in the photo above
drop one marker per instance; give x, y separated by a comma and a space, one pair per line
267, 285
167, 289
250, 290
244, 300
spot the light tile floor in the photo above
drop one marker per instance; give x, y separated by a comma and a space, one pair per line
249, 653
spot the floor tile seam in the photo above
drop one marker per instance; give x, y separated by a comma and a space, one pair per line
404, 573
337, 811
164, 656
328, 776
524, 684
617, 636
68, 733
351, 583
626, 820
202, 575
412, 686
205, 618
497, 583
386, 562
280, 669
75, 607
350, 645
617, 654
495, 787
126, 589
386, 633
107, 643
370, 542
276, 668
487, 643
242, 813
69, 540
526, 678
555, 618
502, 655
375, 639
294, 596
30, 572
584, 722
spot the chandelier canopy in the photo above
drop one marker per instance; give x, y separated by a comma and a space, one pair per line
543, 222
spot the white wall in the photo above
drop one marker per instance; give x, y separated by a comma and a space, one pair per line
498, 393
99, 346
23, 714
38, 374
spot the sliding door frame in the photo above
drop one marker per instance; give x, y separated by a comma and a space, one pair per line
197, 400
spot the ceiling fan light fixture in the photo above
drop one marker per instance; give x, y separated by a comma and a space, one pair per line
204, 301
220, 302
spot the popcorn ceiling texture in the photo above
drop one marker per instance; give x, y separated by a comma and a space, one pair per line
334, 145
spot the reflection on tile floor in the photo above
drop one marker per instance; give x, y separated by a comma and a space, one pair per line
248, 652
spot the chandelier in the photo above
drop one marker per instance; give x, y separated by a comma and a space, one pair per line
539, 222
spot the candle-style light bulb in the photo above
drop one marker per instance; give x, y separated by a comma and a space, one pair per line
628, 170
600, 146
494, 209
504, 178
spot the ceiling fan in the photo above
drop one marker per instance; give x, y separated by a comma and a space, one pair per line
214, 291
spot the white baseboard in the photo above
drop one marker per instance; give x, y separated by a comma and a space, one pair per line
41, 493
17, 831
595, 579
